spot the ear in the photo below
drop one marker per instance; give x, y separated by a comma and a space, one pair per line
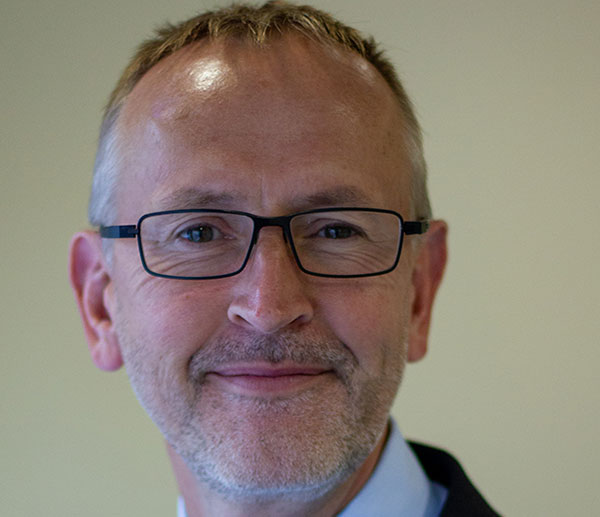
92, 286
427, 276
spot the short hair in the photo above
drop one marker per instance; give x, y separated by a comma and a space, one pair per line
257, 25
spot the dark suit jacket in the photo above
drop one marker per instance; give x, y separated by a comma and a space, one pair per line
463, 498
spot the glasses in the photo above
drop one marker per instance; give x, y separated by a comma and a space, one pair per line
203, 244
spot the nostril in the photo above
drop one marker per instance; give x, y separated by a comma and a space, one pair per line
267, 314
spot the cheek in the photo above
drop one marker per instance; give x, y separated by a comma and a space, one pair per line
372, 321
170, 318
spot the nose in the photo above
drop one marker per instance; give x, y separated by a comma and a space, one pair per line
271, 293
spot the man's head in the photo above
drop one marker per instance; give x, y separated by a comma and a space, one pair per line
271, 383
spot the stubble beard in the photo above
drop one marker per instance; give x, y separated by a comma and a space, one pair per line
259, 449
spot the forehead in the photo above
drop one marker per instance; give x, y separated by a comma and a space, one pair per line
248, 120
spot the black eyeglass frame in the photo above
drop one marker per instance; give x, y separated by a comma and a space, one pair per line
131, 231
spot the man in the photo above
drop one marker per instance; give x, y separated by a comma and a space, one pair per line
269, 166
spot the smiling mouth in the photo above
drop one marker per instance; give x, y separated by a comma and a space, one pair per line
267, 381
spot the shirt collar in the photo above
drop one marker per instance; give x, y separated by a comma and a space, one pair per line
398, 485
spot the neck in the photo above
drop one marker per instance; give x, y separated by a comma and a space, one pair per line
200, 501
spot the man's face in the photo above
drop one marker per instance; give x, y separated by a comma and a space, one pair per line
270, 381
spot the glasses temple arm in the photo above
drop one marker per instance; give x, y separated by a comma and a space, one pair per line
415, 227
128, 231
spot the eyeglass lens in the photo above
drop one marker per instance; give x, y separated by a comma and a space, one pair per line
209, 244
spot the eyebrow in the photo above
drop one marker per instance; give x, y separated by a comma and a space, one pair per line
190, 198
335, 196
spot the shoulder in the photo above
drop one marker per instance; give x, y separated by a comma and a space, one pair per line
442, 468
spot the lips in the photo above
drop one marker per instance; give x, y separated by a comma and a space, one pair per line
267, 380
265, 371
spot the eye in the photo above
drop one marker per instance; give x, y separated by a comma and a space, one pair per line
337, 232
200, 233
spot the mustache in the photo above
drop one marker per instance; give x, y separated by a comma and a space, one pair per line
307, 350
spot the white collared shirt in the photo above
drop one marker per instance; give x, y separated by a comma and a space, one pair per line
397, 486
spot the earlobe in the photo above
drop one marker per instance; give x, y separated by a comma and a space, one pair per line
427, 276
91, 284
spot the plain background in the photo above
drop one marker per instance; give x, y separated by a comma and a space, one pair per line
508, 94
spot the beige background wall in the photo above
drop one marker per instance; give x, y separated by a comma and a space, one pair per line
509, 96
